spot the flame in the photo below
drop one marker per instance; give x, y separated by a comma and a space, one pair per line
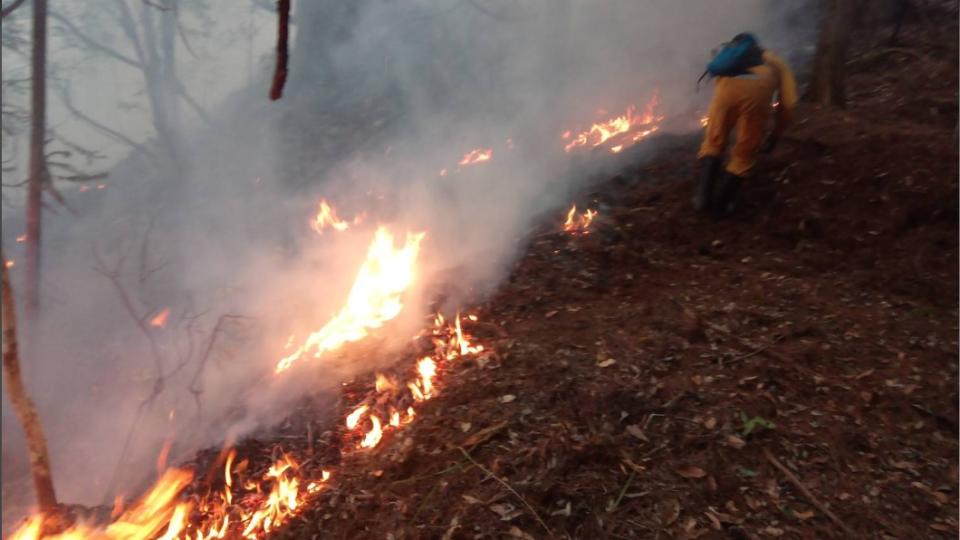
327, 217
373, 436
22, 238
578, 223
279, 493
704, 121
374, 299
618, 128
383, 384
477, 155
354, 417
160, 319
463, 344
9, 263
427, 369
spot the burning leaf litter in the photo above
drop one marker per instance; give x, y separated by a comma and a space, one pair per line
578, 223
477, 155
327, 217
619, 131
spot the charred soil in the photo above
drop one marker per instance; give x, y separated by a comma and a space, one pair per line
791, 371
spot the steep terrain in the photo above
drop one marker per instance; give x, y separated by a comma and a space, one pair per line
790, 372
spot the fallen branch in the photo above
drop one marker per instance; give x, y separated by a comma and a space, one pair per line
510, 489
283, 32
810, 497
23, 405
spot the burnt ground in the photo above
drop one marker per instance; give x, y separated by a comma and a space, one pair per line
669, 374
789, 372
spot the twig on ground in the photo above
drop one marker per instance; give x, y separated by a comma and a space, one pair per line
623, 491
510, 489
810, 497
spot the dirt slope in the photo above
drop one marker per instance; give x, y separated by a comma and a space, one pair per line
790, 372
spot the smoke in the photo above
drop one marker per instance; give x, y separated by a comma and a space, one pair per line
382, 97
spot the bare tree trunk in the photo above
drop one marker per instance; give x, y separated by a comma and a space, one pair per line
22, 404
283, 32
38, 107
827, 87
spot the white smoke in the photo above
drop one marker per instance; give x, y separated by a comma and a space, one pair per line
370, 118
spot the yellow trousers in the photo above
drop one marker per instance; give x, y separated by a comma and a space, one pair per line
743, 103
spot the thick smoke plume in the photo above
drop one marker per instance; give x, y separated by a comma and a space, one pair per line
382, 96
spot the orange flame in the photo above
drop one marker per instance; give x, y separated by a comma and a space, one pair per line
617, 128
9, 263
477, 155
427, 369
22, 238
373, 436
383, 384
354, 417
160, 319
578, 223
374, 299
327, 217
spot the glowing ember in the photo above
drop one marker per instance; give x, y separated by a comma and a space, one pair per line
22, 238
374, 299
101, 186
395, 419
704, 121
160, 319
630, 126
327, 217
478, 155
9, 263
578, 223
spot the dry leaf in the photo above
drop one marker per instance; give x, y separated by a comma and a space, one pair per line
465, 426
550, 314
735, 442
517, 533
714, 522
710, 423
471, 499
606, 363
507, 398
636, 431
565, 511
803, 515
506, 511
483, 435
690, 471
669, 512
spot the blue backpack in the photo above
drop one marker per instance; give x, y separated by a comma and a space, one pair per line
735, 58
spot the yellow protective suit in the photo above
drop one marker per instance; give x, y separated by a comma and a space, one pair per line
745, 102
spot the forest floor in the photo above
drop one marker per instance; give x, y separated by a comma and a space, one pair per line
790, 372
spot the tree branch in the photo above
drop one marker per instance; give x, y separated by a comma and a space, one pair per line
65, 98
10, 9
90, 42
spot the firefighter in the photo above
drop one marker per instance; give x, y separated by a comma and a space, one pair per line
747, 79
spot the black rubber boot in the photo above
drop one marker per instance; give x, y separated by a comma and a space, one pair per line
725, 195
703, 190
